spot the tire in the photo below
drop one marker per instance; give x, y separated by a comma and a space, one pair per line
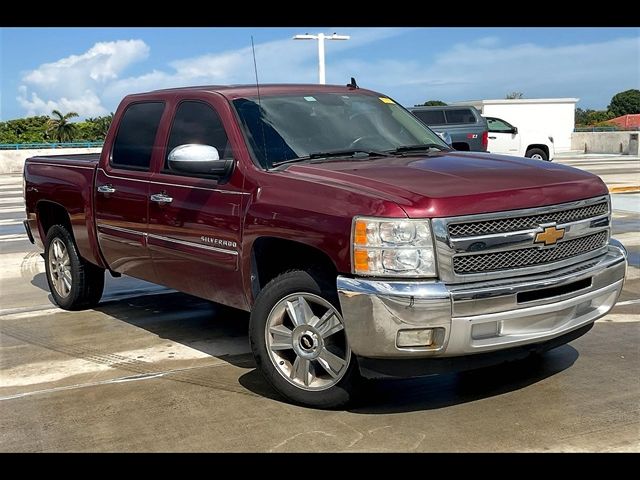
320, 346
536, 153
75, 284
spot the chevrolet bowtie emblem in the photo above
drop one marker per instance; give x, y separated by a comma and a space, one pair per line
549, 236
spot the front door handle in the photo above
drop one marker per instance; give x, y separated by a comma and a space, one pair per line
161, 198
106, 189
492, 138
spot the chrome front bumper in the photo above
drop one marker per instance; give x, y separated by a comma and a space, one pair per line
479, 317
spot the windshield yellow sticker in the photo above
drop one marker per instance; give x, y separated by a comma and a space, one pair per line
386, 100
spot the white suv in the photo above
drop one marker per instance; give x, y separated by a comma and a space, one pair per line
506, 139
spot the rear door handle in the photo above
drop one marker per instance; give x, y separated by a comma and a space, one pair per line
106, 189
161, 198
492, 138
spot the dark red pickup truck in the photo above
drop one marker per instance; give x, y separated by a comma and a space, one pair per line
360, 242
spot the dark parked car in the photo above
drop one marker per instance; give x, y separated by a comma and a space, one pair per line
467, 128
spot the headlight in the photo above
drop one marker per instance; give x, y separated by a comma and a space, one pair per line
392, 247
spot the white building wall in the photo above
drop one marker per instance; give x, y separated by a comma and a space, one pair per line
552, 116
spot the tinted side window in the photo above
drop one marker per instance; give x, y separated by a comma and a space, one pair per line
460, 116
136, 134
197, 122
430, 117
499, 126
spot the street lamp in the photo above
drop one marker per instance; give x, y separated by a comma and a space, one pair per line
321, 37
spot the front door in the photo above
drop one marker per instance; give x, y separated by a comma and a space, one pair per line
502, 137
122, 196
195, 221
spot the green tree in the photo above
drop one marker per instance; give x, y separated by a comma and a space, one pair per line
24, 130
433, 103
60, 127
591, 117
514, 95
623, 103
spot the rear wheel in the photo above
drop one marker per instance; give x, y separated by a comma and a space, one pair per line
299, 342
75, 284
536, 154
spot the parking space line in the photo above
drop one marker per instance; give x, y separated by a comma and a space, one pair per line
128, 378
14, 237
628, 302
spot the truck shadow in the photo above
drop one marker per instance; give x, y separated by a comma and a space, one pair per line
446, 390
221, 332
213, 329
384, 396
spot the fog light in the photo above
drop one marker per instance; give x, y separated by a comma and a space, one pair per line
415, 338
485, 330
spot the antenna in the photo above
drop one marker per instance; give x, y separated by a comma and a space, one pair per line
264, 138
255, 68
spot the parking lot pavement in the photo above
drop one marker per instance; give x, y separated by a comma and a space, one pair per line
151, 369
619, 172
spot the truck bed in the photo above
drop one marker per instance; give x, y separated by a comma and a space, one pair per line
63, 182
84, 159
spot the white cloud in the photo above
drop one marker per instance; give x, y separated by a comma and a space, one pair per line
77, 82
86, 104
285, 61
93, 82
486, 68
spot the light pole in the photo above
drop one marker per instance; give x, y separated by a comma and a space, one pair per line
321, 37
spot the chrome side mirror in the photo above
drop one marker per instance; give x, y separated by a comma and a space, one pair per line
446, 137
199, 159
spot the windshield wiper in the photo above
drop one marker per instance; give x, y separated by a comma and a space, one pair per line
419, 147
332, 154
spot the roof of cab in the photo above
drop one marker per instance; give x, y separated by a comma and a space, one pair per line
250, 90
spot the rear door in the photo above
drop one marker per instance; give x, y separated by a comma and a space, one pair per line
122, 197
501, 137
195, 226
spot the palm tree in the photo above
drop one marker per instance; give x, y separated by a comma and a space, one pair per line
60, 126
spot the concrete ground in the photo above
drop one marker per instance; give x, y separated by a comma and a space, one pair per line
155, 370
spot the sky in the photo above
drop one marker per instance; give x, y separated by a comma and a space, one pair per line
89, 70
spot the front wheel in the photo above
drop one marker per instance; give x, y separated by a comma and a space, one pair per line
536, 154
299, 342
75, 284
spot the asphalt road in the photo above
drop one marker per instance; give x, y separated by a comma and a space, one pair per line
155, 370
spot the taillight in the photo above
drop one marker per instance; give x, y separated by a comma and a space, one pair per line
485, 140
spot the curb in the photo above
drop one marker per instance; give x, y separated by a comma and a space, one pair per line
625, 189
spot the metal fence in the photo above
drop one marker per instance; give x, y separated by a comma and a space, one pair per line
605, 129
33, 146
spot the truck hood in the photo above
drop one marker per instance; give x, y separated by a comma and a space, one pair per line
447, 184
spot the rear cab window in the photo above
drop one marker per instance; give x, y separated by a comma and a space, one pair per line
431, 117
462, 115
135, 140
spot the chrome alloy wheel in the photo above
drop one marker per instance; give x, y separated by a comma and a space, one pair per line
537, 156
60, 267
306, 341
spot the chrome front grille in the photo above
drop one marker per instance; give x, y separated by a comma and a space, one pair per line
525, 257
501, 244
513, 224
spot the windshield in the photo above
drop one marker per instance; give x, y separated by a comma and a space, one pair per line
287, 127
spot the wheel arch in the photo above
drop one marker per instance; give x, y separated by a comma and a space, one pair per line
48, 214
540, 146
270, 256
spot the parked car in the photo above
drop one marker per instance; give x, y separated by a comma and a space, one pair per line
509, 140
445, 136
361, 243
465, 126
